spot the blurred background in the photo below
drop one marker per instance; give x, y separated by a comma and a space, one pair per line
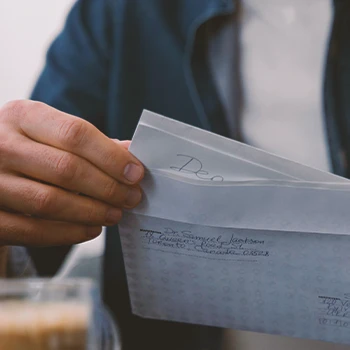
26, 30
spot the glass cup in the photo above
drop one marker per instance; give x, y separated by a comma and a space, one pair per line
47, 314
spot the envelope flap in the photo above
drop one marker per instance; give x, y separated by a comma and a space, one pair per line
163, 143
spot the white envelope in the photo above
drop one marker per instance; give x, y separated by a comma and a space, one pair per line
231, 236
166, 144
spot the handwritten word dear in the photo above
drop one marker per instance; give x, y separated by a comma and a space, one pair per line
192, 165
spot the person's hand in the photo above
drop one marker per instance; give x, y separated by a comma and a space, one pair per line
61, 179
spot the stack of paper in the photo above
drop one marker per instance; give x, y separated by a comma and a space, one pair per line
232, 236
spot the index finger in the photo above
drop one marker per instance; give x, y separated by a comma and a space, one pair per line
47, 125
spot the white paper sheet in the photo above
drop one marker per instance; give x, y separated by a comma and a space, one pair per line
231, 236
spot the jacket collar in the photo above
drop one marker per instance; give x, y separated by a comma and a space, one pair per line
190, 16
195, 12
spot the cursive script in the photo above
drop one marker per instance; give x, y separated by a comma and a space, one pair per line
192, 165
218, 245
333, 322
335, 307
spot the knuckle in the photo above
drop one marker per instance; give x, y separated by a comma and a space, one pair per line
32, 234
43, 202
90, 213
14, 111
121, 216
66, 168
72, 132
111, 191
14, 108
108, 159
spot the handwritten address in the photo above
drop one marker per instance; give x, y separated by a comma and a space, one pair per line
192, 242
335, 311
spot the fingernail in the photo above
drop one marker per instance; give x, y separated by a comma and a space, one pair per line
113, 216
133, 172
133, 197
93, 231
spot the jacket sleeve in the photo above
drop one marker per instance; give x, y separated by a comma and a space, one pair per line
75, 80
75, 77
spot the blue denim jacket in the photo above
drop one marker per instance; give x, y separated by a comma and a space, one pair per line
115, 58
